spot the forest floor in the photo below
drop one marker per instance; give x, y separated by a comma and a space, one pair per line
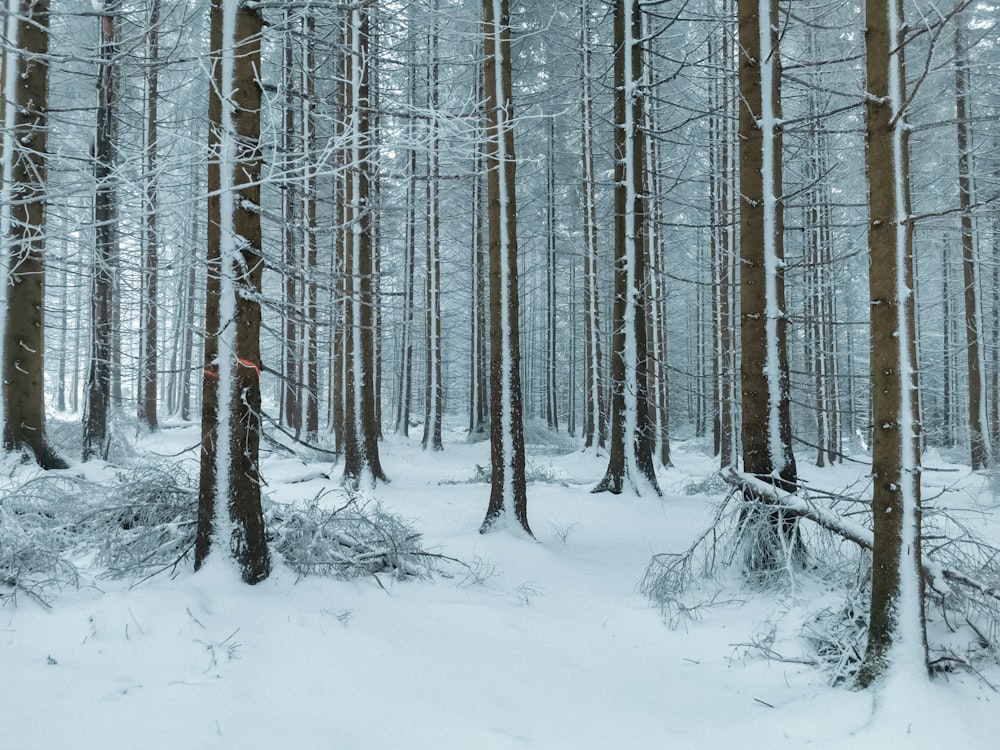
540, 644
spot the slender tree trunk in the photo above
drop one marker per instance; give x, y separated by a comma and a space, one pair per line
595, 427
630, 453
978, 435
508, 487
310, 239
433, 395
896, 634
291, 378
551, 320
99, 377
479, 364
361, 432
148, 382
229, 499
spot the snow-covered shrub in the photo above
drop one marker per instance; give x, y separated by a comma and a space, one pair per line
39, 532
144, 522
962, 576
351, 540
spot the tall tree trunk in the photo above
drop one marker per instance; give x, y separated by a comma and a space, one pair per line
290, 403
310, 239
766, 432
24, 166
978, 435
508, 486
594, 425
896, 633
147, 401
551, 320
404, 388
630, 453
478, 365
361, 432
99, 376
433, 394
229, 499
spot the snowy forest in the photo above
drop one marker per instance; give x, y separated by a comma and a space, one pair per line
500, 374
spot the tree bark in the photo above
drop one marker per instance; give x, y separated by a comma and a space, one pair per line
594, 424
26, 78
897, 628
361, 431
508, 486
229, 498
630, 452
147, 401
95, 421
979, 442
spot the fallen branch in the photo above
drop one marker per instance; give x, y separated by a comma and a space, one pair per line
934, 574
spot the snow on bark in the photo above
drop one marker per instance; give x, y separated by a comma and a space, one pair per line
356, 228
9, 85
222, 526
768, 126
630, 352
503, 125
909, 656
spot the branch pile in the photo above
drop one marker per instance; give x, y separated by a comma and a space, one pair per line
961, 572
144, 523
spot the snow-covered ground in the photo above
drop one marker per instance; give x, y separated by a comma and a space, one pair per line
537, 644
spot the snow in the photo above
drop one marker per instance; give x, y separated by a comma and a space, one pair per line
908, 640
7, 157
772, 266
507, 248
541, 644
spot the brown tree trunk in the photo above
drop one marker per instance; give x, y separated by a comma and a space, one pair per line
630, 451
24, 343
361, 431
229, 496
99, 376
897, 620
433, 393
290, 403
766, 431
978, 437
147, 402
594, 423
508, 486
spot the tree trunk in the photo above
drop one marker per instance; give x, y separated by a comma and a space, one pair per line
99, 376
594, 425
551, 320
361, 432
25, 117
310, 239
147, 402
978, 435
229, 499
290, 403
630, 453
896, 632
508, 486
433, 393
766, 432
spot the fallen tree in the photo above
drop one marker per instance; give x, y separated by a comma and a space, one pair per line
961, 571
